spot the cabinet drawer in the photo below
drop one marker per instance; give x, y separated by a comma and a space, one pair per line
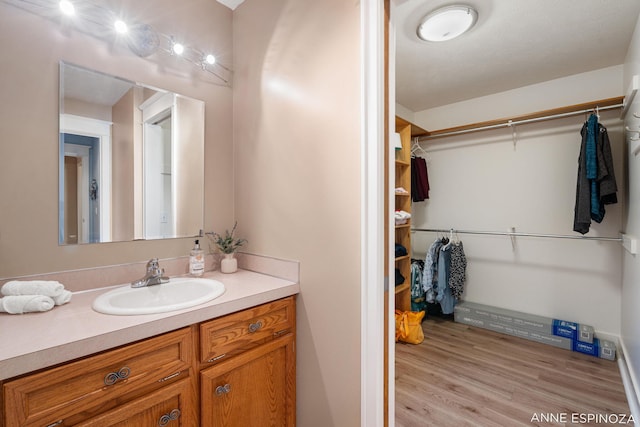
74, 392
170, 406
238, 332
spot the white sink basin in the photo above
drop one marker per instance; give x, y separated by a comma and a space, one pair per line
177, 294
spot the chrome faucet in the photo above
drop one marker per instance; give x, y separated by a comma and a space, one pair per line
155, 275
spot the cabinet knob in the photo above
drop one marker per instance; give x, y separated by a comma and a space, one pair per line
167, 418
113, 377
223, 389
254, 327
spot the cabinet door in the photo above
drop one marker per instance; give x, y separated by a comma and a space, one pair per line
170, 406
254, 389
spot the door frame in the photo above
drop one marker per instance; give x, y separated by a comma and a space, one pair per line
373, 216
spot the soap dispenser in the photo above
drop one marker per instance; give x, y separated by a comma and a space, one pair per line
196, 260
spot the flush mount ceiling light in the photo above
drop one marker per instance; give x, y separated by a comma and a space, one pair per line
447, 23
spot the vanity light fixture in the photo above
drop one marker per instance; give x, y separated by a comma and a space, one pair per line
120, 26
67, 7
177, 48
447, 23
94, 18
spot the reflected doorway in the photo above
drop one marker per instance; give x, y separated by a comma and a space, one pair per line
81, 223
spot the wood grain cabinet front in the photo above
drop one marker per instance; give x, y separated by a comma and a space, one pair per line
249, 379
77, 391
169, 406
253, 389
235, 333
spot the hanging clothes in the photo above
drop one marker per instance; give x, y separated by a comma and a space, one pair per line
419, 179
430, 270
443, 291
418, 302
457, 270
444, 274
596, 182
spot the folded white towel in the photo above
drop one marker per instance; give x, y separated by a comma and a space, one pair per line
18, 304
63, 298
32, 287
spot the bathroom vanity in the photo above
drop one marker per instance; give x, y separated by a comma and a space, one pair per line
228, 362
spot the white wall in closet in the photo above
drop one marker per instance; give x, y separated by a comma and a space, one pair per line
630, 336
486, 181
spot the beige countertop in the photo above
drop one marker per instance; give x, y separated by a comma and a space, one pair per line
38, 340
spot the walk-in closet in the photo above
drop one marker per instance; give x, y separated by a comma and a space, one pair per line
531, 160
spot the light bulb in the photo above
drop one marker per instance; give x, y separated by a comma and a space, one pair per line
120, 26
210, 59
178, 48
67, 7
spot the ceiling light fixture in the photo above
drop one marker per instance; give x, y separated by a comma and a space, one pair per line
447, 23
67, 7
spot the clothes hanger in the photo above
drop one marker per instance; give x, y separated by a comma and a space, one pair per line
449, 240
417, 149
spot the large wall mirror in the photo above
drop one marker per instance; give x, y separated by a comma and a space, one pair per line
131, 160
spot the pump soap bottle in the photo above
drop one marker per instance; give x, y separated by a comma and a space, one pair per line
196, 260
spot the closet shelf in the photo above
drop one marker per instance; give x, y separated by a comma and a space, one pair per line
402, 288
401, 226
402, 163
401, 258
603, 104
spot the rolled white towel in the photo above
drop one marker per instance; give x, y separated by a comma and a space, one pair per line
48, 288
63, 298
18, 304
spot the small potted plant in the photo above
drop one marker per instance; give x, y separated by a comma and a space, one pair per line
228, 245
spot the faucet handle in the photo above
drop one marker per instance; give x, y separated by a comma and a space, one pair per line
153, 265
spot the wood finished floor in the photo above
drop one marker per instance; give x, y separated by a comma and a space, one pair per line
467, 376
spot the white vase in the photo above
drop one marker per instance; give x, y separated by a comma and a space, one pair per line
229, 264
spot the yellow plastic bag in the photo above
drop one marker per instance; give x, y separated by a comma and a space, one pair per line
409, 326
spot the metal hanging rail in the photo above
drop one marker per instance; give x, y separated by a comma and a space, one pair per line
518, 234
606, 104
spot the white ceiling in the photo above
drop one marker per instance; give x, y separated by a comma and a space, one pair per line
515, 43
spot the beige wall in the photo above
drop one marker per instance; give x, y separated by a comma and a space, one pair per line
188, 150
297, 180
32, 49
122, 140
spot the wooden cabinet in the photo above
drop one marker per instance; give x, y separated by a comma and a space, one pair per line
256, 388
226, 336
247, 360
167, 406
252, 380
77, 391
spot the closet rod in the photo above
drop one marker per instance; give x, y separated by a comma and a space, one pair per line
517, 234
602, 105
